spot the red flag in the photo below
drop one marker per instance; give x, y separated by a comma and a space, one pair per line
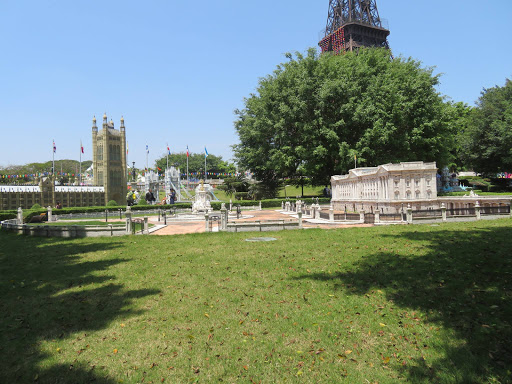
81, 146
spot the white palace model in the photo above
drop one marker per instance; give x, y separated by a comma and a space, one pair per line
386, 188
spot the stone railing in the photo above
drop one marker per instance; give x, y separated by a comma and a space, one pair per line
262, 226
64, 230
73, 231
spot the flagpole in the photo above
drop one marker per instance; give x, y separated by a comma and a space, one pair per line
127, 162
80, 172
205, 164
53, 158
188, 182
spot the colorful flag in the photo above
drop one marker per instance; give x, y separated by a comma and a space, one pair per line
187, 151
205, 152
147, 148
168, 149
81, 146
54, 147
126, 148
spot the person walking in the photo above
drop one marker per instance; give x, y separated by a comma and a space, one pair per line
150, 198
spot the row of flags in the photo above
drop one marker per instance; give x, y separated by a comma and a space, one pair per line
169, 150
127, 149
33, 175
40, 174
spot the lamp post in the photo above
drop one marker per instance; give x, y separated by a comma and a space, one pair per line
133, 171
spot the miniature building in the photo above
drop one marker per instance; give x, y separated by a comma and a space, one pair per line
109, 159
45, 193
109, 178
386, 188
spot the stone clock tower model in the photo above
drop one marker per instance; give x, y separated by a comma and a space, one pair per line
109, 159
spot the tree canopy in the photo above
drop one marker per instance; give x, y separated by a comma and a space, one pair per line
315, 113
487, 141
63, 168
214, 164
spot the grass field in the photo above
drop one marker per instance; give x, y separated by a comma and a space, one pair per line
293, 191
421, 304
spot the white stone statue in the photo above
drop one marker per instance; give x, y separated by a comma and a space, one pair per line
202, 199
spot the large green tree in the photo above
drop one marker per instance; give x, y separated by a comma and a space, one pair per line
214, 164
459, 117
315, 113
487, 141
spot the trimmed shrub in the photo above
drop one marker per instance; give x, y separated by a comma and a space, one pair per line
36, 206
112, 203
29, 214
8, 215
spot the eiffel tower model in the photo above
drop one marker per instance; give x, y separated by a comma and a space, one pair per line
352, 24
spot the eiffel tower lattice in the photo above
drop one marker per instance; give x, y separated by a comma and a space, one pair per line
352, 24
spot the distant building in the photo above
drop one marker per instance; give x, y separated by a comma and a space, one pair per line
109, 159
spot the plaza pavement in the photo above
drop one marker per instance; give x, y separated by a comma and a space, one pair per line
184, 227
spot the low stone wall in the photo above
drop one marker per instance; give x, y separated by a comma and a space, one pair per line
71, 231
258, 226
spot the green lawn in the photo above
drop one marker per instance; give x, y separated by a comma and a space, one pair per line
421, 304
293, 191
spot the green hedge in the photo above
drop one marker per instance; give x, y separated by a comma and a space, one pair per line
29, 213
272, 203
8, 215
277, 202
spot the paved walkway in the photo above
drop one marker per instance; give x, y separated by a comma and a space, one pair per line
179, 228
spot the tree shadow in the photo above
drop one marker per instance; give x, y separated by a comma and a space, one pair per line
463, 281
47, 292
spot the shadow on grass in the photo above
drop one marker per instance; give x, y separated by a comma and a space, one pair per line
47, 292
463, 281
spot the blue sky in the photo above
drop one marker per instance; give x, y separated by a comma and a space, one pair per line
176, 70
